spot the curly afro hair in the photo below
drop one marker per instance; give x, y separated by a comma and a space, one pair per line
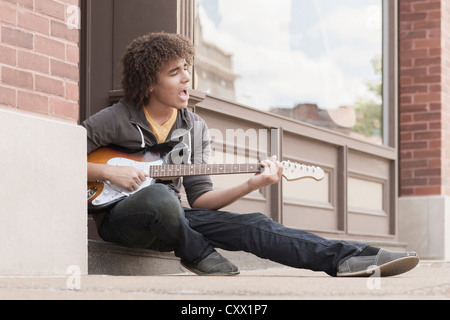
144, 59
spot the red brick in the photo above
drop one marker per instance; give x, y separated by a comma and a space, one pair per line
17, 78
17, 38
7, 55
23, 3
414, 182
33, 22
413, 127
435, 144
427, 79
413, 35
405, 136
435, 125
427, 191
435, 88
50, 47
427, 61
414, 53
429, 135
64, 109
405, 118
413, 16
64, 70
72, 91
428, 43
427, 25
414, 145
406, 192
7, 14
72, 54
49, 85
61, 30
32, 61
429, 116
427, 172
405, 155
427, 154
50, 8
427, 6
414, 72
414, 89
32, 102
428, 97
414, 164
7, 96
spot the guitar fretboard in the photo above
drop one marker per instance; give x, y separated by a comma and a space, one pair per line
164, 171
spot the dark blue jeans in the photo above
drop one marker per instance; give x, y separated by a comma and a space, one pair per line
154, 218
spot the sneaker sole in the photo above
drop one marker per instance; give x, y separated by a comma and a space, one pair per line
389, 269
218, 274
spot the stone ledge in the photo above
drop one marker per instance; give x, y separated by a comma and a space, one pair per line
112, 259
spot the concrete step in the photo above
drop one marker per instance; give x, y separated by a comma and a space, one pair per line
107, 258
111, 259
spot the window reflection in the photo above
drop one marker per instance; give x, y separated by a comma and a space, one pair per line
318, 61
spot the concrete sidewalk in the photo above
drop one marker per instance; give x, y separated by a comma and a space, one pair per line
429, 280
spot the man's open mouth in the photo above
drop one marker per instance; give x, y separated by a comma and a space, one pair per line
184, 94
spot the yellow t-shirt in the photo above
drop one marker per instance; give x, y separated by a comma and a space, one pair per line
161, 131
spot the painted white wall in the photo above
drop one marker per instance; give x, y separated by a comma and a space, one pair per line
43, 220
424, 223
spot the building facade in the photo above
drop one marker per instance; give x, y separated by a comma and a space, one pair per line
59, 65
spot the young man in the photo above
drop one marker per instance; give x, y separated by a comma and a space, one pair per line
156, 82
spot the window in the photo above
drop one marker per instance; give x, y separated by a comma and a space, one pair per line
317, 61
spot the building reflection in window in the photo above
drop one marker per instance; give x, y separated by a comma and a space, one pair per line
317, 61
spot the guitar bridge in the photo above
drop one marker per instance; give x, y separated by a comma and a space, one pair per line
91, 192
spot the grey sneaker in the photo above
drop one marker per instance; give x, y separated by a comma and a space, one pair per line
386, 263
213, 265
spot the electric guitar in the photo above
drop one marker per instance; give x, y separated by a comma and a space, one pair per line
103, 194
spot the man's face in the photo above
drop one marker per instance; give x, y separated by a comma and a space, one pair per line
171, 89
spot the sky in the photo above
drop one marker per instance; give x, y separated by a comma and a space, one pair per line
296, 51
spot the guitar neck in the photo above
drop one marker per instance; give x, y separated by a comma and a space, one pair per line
291, 170
183, 170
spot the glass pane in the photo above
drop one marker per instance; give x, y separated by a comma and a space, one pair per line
318, 61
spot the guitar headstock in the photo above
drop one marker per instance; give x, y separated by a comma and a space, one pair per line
294, 171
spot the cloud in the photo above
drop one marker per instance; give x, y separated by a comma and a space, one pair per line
272, 74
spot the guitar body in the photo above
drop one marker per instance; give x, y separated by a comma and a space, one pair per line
103, 194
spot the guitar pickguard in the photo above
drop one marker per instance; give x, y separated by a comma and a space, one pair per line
112, 193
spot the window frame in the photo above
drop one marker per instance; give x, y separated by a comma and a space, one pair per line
346, 147
389, 53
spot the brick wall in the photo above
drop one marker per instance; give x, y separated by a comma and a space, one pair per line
39, 57
424, 100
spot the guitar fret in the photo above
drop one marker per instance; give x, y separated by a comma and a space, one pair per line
160, 171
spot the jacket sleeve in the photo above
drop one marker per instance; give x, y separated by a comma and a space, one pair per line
101, 129
195, 186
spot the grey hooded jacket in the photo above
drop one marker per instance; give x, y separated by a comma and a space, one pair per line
125, 126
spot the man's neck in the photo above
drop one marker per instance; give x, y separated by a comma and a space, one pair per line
159, 114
